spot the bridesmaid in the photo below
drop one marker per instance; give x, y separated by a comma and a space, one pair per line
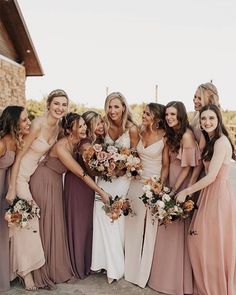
108, 238
171, 271
212, 239
205, 94
14, 125
46, 187
79, 201
140, 233
43, 134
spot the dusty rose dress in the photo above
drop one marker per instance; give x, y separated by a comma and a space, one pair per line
46, 189
5, 162
212, 242
171, 271
79, 202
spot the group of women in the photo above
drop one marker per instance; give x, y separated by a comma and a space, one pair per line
74, 236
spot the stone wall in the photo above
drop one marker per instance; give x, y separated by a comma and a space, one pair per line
12, 83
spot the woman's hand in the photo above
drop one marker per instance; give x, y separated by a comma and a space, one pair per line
105, 197
181, 197
10, 196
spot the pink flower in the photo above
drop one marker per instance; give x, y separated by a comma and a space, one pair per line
101, 156
97, 147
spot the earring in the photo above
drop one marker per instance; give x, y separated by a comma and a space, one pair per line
157, 125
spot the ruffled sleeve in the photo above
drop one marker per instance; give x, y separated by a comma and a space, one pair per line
189, 156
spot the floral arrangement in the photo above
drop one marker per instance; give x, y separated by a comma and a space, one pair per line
117, 207
162, 204
20, 212
108, 161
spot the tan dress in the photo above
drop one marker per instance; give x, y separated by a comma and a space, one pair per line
26, 250
140, 232
5, 162
212, 239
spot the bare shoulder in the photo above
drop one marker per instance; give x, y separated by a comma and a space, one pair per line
133, 129
188, 138
36, 125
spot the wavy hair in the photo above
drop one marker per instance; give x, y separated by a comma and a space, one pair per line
174, 136
68, 121
208, 150
91, 119
209, 94
10, 123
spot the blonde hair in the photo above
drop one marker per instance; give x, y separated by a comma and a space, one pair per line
91, 119
126, 116
209, 94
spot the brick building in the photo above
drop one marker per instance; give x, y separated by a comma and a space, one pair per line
18, 57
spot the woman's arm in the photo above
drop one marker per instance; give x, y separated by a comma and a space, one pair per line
2, 148
28, 139
165, 164
70, 163
221, 148
134, 136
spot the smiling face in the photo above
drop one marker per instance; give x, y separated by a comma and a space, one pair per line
209, 121
58, 107
24, 123
79, 129
171, 117
99, 128
115, 109
147, 117
197, 100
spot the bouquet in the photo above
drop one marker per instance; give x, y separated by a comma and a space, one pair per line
162, 205
108, 161
20, 212
117, 207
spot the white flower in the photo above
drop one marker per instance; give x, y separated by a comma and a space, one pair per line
166, 197
112, 149
155, 178
160, 204
146, 188
148, 194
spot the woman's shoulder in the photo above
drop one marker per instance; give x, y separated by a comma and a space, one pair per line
3, 147
188, 137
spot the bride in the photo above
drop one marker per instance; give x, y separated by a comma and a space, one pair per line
108, 238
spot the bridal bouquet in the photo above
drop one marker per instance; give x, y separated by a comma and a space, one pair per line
117, 207
108, 161
162, 206
20, 212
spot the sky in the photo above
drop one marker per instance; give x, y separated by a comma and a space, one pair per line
90, 48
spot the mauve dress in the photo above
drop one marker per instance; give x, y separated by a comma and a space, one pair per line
171, 271
212, 244
79, 202
5, 162
47, 190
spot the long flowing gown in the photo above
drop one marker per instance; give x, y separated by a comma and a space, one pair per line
79, 202
47, 190
171, 271
5, 162
108, 237
23, 260
212, 239
140, 232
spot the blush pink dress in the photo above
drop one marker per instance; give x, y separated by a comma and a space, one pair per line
212, 238
171, 271
26, 251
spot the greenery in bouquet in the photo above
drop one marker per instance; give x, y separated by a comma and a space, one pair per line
117, 207
162, 204
20, 212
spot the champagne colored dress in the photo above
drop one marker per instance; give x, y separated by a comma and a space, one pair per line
171, 271
140, 232
212, 238
47, 190
5, 162
24, 260
79, 202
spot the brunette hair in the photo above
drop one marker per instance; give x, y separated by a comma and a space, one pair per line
174, 136
56, 93
208, 150
68, 122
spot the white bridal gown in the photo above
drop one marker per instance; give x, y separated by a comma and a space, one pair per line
108, 237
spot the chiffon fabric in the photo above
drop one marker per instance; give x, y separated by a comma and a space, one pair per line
140, 231
212, 238
79, 202
24, 260
47, 190
5, 162
108, 237
171, 271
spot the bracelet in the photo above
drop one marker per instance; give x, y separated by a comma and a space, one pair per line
84, 174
